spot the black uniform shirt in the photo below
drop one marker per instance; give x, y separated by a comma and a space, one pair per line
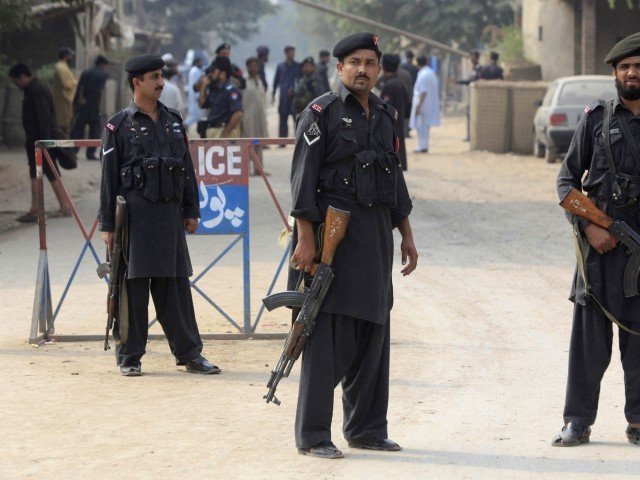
223, 101
38, 118
323, 175
491, 72
157, 245
90, 87
587, 155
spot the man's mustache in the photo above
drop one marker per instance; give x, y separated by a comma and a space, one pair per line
159, 88
362, 76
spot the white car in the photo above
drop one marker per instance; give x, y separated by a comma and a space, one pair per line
560, 111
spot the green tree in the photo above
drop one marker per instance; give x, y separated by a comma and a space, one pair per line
462, 21
190, 20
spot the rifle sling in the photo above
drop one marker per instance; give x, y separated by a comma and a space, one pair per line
606, 127
581, 247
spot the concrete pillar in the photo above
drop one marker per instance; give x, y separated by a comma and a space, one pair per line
588, 40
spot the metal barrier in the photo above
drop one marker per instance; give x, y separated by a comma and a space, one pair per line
218, 185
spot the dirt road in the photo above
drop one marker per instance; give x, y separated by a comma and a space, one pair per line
479, 351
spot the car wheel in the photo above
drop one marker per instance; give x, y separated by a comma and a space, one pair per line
538, 148
551, 155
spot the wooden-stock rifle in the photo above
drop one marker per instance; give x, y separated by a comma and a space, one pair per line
579, 204
309, 302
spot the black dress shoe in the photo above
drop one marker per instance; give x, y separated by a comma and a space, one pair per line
384, 445
202, 365
324, 449
572, 434
633, 434
130, 370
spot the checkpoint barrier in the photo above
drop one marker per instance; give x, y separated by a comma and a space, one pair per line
221, 169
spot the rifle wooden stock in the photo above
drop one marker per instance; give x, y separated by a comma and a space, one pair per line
579, 204
335, 227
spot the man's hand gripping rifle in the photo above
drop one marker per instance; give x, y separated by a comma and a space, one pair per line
112, 268
581, 205
309, 302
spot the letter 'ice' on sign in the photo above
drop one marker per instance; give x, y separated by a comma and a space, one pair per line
212, 161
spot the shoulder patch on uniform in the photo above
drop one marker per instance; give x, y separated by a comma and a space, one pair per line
114, 122
234, 95
594, 106
322, 102
313, 133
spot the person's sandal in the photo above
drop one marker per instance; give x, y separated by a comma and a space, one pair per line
324, 449
383, 445
28, 218
571, 435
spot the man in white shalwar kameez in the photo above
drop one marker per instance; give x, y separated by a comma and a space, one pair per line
194, 112
425, 108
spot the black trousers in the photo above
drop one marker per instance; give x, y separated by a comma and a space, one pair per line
78, 127
589, 357
174, 309
283, 128
352, 352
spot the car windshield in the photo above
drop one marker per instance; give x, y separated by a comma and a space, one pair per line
585, 92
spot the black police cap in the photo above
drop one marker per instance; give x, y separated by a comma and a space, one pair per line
141, 64
390, 62
357, 41
223, 46
627, 47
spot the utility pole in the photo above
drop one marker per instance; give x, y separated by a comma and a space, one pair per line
382, 27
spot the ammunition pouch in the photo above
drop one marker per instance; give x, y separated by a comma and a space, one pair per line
386, 174
620, 191
151, 168
365, 161
161, 178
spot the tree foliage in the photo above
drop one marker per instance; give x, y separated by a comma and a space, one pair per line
462, 21
190, 20
18, 14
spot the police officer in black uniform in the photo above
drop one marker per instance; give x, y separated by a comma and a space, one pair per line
346, 156
86, 102
394, 92
605, 146
145, 158
223, 100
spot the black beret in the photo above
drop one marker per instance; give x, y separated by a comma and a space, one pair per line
357, 41
141, 64
390, 62
626, 47
223, 46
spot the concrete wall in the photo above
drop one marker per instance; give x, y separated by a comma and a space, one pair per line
553, 47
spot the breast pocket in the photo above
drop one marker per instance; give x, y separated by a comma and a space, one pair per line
348, 144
